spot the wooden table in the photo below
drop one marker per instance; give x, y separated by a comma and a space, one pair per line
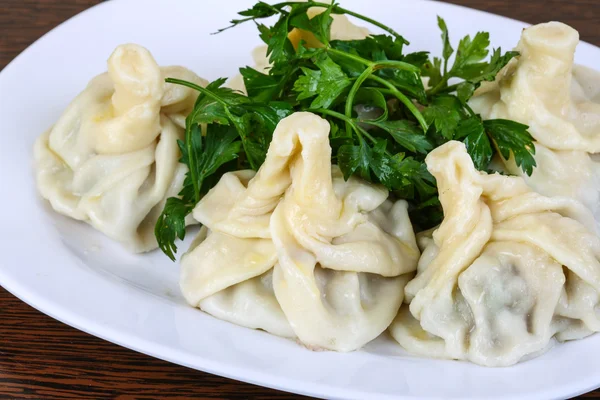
41, 358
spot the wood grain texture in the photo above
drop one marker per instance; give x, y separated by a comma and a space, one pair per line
41, 358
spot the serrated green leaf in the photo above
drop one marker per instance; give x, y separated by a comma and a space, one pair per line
171, 225
390, 46
448, 50
259, 10
469, 54
418, 59
279, 47
477, 142
260, 87
513, 137
355, 160
407, 134
308, 84
387, 169
255, 137
491, 69
319, 25
444, 113
433, 70
203, 155
327, 84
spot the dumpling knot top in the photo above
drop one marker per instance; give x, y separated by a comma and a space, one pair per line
560, 102
112, 158
298, 251
543, 89
507, 270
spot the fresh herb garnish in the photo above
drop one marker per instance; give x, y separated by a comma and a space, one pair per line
383, 119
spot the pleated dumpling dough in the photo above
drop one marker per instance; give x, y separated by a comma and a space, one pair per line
112, 158
296, 250
560, 102
507, 270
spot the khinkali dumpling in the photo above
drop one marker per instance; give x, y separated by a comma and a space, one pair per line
112, 158
507, 270
296, 250
561, 104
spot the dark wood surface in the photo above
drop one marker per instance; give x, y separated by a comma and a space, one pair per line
41, 358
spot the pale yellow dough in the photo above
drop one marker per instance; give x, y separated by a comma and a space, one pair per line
506, 271
112, 158
560, 102
325, 259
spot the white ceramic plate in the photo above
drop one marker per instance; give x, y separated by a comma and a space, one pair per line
77, 276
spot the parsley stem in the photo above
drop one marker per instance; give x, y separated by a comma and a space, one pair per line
232, 118
349, 56
349, 121
189, 131
376, 65
372, 22
350, 99
405, 100
202, 90
441, 86
396, 64
193, 170
447, 89
469, 109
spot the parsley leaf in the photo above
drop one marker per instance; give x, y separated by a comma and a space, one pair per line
203, 155
279, 46
383, 119
355, 160
444, 113
171, 225
419, 183
477, 142
469, 54
319, 25
433, 70
327, 83
497, 62
468, 64
448, 50
407, 134
260, 87
513, 137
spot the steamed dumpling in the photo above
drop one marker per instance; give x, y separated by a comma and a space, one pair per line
296, 250
561, 104
506, 271
112, 158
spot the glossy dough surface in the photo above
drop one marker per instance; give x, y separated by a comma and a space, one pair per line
506, 271
112, 158
299, 252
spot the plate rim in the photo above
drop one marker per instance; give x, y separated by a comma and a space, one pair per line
110, 334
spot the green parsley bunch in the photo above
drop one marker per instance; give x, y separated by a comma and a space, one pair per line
383, 119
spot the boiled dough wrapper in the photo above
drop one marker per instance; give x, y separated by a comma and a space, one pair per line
506, 271
298, 251
112, 158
